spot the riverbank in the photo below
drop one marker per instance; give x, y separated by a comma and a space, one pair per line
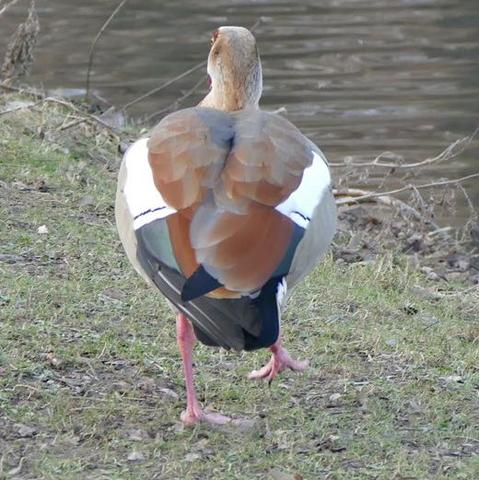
89, 371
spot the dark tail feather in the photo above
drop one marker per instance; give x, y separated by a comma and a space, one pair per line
200, 283
267, 310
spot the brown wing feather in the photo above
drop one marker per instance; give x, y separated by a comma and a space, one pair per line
268, 158
226, 195
186, 152
247, 255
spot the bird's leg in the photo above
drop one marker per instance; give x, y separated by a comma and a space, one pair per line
193, 414
280, 360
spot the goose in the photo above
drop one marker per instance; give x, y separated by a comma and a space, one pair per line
224, 209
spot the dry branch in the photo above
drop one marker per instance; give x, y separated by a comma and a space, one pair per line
87, 116
93, 46
368, 195
177, 102
164, 85
349, 196
84, 116
22, 90
6, 6
450, 152
22, 107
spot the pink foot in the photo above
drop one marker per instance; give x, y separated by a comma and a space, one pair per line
192, 416
280, 360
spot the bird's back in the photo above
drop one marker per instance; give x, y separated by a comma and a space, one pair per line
223, 212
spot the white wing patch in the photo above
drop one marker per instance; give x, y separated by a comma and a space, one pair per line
300, 205
144, 200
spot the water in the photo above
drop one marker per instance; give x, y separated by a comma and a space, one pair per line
358, 76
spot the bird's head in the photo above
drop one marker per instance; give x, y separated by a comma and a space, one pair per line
234, 70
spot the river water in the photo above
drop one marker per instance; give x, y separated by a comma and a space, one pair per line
358, 76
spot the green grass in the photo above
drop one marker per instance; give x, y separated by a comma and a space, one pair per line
90, 377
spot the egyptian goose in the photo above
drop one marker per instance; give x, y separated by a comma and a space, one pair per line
224, 209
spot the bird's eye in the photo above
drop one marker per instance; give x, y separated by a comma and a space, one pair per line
214, 37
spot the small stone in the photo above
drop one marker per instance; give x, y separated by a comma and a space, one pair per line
244, 425
147, 384
137, 435
135, 456
192, 457
86, 201
113, 294
42, 230
432, 276
121, 387
453, 379
25, 431
169, 393
334, 397
53, 360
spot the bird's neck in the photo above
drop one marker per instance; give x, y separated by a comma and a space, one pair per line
235, 92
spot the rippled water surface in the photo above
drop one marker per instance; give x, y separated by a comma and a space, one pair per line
358, 76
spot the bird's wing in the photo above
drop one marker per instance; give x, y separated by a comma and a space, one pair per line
238, 235
187, 151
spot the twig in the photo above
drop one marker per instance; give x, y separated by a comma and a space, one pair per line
24, 91
88, 116
164, 85
179, 77
257, 24
93, 46
175, 104
405, 189
21, 107
7, 6
447, 154
354, 195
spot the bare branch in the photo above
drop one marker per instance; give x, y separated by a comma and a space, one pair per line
176, 103
257, 24
452, 151
22, 90
346, 196
21, 107
93, 46
6, 6
164, 85
366, 195
87, 116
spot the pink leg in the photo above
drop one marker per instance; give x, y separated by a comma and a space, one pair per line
193, 414
280, 360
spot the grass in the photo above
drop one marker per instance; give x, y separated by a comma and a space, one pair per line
90, 382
